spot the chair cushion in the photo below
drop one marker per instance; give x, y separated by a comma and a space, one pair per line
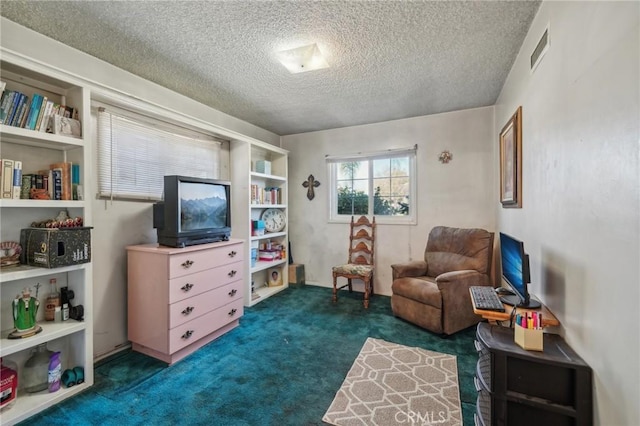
420, 289
353, 269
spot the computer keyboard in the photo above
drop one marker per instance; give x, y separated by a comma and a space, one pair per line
485, 298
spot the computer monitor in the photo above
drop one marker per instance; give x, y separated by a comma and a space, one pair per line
515, 271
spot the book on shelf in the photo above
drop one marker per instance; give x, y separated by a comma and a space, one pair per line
16, 116
56, 183
26, 186
24, 114
7, 178
34, 111
5, 106
65, 168
75, 181
17, 179
43, 120
11, 108
39, 181
39, 114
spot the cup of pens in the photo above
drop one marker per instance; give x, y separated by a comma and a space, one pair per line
528, 330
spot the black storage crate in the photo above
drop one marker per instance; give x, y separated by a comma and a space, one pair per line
55, 247
530, 388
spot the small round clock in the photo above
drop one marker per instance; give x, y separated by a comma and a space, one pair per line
274, 220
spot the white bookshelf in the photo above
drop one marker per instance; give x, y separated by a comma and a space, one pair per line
37, 150
244, 155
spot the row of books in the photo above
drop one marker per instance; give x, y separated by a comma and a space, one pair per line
60, 182
260, 195
18, 110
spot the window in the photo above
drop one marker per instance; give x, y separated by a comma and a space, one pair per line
380, 184
135, 153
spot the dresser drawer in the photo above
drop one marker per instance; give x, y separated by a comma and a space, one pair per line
193, 307
192, 331
195, 261
191, 285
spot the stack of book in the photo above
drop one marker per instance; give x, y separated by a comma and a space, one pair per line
59, 182
261, 195
18, 110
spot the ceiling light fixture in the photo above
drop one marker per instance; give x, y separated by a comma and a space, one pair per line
302, 59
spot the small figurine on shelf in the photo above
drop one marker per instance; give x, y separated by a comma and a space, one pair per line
63, 220
25, 308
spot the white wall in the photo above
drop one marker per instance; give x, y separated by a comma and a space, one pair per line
459, 194
581, 207
121, 223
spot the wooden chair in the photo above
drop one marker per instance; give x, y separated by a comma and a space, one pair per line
360, 264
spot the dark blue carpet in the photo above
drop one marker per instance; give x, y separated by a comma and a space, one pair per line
281, 366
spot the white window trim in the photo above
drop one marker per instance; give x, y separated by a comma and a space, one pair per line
410, 219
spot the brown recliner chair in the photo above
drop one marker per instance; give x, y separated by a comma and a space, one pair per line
434, 293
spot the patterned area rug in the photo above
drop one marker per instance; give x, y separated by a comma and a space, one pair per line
391, 384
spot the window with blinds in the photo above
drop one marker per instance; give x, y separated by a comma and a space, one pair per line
136, 152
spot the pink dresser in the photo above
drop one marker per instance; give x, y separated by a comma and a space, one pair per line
180, 299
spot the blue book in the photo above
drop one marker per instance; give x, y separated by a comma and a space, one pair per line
56, 175
20, 111
13, 108
34, 111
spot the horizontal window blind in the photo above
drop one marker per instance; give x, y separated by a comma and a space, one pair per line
136, 152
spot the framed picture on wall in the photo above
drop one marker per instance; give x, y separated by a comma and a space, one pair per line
511, 161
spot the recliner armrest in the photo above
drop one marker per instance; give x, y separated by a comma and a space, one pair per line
460, 281
415, 268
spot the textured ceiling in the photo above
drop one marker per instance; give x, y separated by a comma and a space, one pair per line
388, 59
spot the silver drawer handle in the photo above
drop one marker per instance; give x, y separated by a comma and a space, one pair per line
232, 253
232, 312
188, 310
187, 264
188, 334
232, 273
233, 292
186, 287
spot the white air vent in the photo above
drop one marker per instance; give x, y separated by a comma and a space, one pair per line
540, 50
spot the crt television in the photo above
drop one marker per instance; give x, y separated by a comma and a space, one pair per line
194, 211
515, 271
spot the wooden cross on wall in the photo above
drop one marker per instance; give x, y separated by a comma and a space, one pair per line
310, 183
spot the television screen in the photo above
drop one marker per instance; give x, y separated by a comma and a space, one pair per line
194, 211
202, 206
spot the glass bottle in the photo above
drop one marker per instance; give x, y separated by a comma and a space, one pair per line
35, 376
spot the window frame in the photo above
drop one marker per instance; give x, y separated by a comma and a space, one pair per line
332, 173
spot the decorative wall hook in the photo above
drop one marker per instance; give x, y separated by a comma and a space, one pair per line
310, 183
445, 157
